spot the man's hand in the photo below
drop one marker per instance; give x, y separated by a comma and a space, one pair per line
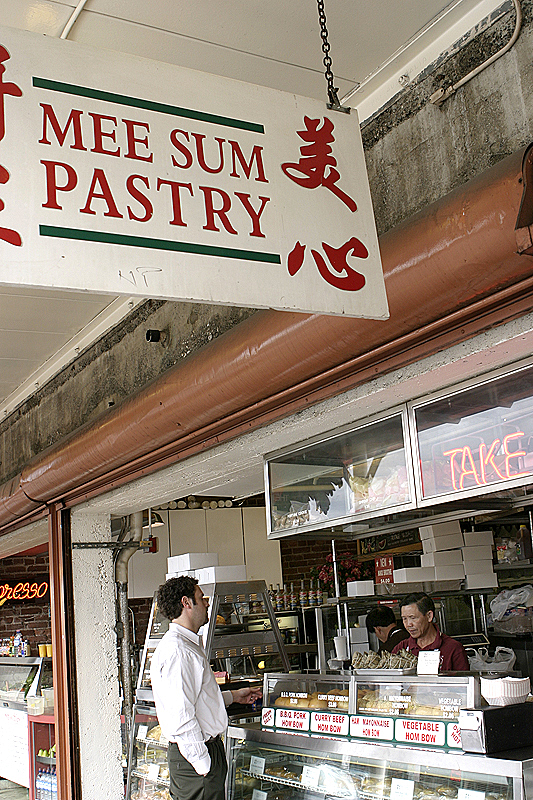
246, 695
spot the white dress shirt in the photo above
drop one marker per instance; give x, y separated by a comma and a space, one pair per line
190, 706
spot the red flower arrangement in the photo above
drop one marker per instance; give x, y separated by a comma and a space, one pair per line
348, 569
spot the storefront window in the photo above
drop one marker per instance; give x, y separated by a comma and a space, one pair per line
478, 438
358, 473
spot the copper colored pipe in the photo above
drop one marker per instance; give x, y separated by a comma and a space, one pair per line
454, 253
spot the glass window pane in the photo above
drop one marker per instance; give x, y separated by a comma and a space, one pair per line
355, 473
481, 437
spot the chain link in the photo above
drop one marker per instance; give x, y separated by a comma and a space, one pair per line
332, 91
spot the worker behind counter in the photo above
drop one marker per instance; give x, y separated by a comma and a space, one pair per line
383, 623
418, 614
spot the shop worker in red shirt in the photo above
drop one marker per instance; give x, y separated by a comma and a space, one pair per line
418, 615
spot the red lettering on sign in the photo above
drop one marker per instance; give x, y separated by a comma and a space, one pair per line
480, 467
6, 88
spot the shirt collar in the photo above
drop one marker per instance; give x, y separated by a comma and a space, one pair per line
185, 632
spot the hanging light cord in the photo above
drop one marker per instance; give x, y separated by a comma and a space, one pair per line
438, 97
334, 102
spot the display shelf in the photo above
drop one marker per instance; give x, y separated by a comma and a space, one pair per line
46, 760
158, 781
319, 791
153, 743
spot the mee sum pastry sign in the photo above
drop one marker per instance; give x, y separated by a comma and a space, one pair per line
129, 176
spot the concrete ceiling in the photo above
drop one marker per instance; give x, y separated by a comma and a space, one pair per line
380, 44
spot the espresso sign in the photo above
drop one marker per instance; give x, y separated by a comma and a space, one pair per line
129, 176
30, 588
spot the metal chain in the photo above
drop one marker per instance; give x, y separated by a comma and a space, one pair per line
332, 91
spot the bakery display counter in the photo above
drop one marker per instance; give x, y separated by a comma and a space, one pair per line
148, 776
269, 765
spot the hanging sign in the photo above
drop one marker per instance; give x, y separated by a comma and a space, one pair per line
127, 176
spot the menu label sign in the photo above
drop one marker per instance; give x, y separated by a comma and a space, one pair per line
417, 731
372, 728
292, 719
330, 723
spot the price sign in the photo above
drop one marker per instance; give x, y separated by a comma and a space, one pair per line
310, 776
142, 730
257, 765
257, 794
470, 794
153, 772
401, 789
428, 662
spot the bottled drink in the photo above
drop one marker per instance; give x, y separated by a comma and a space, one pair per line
54, 784
303, 594
286, 598
311, 595
38, 781
294, 598
279, 599
17, 641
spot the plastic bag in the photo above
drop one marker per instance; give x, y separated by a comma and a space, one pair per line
510, 598
480, 661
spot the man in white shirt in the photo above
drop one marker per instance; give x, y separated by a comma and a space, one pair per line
191, 709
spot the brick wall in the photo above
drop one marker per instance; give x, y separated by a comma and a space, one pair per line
299, 556
32, 618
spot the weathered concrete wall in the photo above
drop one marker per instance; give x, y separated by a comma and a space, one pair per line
416, 153
117, 365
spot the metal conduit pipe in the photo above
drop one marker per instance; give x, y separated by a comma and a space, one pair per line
455, 253
121, 581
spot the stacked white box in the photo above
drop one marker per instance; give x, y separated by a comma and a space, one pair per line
359, 588
188, 561
473, 538
481, 580
413, 574
480, 552
439, 530
191, 573
235, 572
450, 573
475, 567
442, 558
450, 542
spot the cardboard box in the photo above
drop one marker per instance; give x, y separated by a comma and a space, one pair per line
451, 573
473, 538
416, 574
236, 572
442, 529
359, 588
191, 573
442, 558
474, 567
450, 542
481, 552
188, 561
482, 581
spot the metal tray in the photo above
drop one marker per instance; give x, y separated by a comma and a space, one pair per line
383, 673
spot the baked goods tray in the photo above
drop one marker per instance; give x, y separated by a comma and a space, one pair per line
377, 673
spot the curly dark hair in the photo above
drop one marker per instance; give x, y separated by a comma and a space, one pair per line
171, 594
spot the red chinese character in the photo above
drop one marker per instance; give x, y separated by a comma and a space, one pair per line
5, 88
310, 170
8, 235
352, 281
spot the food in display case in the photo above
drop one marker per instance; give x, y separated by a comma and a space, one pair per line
148, 774
312, 692
412, 699
370, 660
301, 772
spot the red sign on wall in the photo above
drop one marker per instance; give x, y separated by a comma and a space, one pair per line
384, 566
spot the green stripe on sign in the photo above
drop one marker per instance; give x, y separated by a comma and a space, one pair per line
157, 244
149, 105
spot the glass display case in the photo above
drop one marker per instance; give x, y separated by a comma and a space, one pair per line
363, 472
148, 777
376, 705
266, 765
23, 677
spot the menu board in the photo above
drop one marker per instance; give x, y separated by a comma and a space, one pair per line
14, 753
